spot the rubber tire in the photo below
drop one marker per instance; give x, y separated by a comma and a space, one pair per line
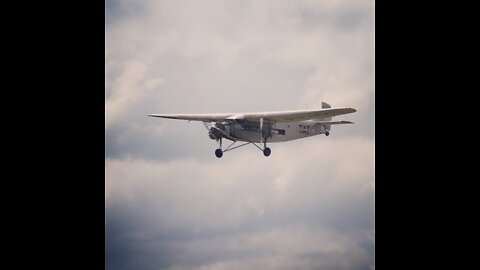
218, 153
327, 133
267, 152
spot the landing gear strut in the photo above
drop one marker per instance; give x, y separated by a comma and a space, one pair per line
219, 152
266, 150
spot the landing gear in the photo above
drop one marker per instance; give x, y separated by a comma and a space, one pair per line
219, 153
327, 132
266, 150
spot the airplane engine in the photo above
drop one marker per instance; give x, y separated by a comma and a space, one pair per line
219, 130
214, 133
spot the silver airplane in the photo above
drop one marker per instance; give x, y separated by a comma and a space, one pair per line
263, 127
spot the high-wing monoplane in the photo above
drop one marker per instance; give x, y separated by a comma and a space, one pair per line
263, 127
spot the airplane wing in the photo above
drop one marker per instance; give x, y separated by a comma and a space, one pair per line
333, 122
281, 116
290, 116
195, 117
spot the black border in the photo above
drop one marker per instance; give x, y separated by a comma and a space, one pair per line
53, 103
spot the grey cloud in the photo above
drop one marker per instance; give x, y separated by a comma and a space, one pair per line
170, 203
194, 209
346, 16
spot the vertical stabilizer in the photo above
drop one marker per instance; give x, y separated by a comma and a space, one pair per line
325, 106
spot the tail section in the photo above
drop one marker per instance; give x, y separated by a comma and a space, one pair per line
325, 106
325, 123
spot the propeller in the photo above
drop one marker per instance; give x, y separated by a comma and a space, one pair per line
205, 124
209, 129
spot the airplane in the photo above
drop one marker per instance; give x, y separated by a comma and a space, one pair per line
260, 127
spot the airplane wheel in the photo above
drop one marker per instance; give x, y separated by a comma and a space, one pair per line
327, 133
267, 152
219, 153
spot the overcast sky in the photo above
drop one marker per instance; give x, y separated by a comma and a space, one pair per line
170, 203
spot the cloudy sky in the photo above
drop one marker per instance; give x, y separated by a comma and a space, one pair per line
170, 203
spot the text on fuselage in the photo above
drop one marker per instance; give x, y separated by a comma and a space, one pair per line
304, 129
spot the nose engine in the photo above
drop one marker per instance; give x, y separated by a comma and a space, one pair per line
214, 134
219, 130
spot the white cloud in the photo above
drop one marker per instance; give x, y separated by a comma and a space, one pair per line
226, 40
170, 204
126, 91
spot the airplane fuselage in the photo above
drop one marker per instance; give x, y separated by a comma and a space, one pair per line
280, 132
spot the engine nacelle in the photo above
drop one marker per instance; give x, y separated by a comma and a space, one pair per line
219, 130
214, 133
211, 134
